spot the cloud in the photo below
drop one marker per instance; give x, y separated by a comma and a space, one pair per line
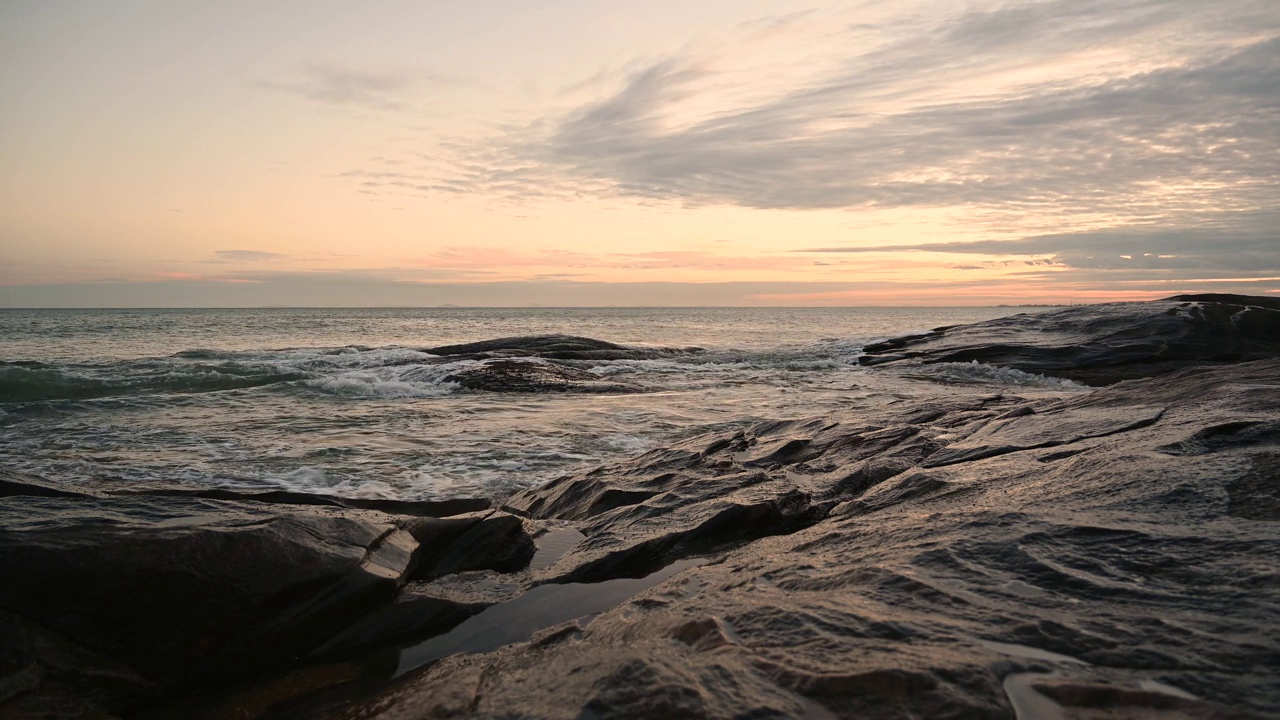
1209, 127
1144, 133
1137, 110
246, 256
390, 275
1239, 241
461, 257
346, 87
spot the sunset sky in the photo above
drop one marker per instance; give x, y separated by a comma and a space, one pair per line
705, 152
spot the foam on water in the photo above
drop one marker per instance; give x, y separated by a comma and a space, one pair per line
348, 401
403, 381
977, 372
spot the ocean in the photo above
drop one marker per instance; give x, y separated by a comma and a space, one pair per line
348, 402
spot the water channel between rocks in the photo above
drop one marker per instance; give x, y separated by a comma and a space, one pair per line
545, 606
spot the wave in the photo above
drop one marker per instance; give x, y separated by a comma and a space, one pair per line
370, 384
360, 372
29, 383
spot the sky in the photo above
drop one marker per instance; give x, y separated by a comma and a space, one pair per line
574, 152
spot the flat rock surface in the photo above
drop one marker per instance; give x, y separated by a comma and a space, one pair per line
1107, 554
1102, 344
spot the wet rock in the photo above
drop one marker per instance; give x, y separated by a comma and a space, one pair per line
187, 589
133, 597
45, 675
1230, 298
633, 541
1112, 553
1255, 495
1083, 700
1054, 426
776, 478
474, 541
560, 347
429, 608
424, 508
420, 610
526, 376
12, 483
1103, 344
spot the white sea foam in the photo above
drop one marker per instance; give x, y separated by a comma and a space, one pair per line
976, 372
307, 479
369, 385
629, 444
394, 381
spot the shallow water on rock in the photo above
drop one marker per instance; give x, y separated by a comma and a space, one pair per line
536, 609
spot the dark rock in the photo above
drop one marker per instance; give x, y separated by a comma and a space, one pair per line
45, 675
1230, 299
452, 553
475, 541
423, 508
561, 347
527, 376
12, 483
187, 589
420, 610
1103, 344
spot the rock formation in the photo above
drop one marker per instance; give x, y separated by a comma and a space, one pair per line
1103, 344
959, 558
559, 347
525, 376
1105, 554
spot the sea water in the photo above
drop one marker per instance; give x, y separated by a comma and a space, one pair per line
348, 401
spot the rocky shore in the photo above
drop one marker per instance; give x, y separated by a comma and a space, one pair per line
1109, 554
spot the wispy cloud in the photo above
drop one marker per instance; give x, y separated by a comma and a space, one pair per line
1135, 110
1198, 132
247, 256
348, 87
1240, 245
499, 257
1096, 140
1069, 143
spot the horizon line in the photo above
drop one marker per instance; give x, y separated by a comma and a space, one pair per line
550, 307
